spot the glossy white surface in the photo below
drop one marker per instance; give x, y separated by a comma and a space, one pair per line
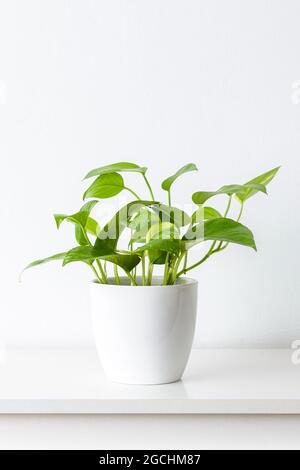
144, 334
215, 382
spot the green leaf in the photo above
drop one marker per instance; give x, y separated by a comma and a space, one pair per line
88, 254
105, 186
263, 179
172, 246
167, 183
91, 226
205, 213
115, 168
56, 257
126, 262
221, 229
112, 231
201, 197
147, 217
79, 217
162, 230
171, 214
141, 223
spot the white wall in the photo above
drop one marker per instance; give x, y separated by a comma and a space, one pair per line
160, 83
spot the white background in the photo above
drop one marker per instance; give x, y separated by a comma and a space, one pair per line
161, 83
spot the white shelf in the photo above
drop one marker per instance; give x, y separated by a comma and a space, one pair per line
216, 381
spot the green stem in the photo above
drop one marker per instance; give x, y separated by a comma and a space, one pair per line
132, 192
143, 269
149, 187
133, 282
98, 262
169, 198
228, 206
221, 246
240, 212
150, 272
185, 259
103, 274
210, 251
177, 264
96, 274
166, 270
116, 274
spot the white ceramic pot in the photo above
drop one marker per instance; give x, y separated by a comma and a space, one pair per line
144, 334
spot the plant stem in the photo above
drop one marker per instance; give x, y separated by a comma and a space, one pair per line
169, 198
98, 262
240, 213
185, 259
143, 270
166, 270
210, 251
149, 187
101, 271
132, 192
133, 282
177, 264
228, 206
150, 272
116, 274
221, 246
96, 274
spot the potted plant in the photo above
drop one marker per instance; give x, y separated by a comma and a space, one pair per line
143, 306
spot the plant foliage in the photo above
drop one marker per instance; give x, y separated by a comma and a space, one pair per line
157, 233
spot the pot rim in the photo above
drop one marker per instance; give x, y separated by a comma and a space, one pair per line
181, 282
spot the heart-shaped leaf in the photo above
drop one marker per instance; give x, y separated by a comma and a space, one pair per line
126, 262
201, 197
262, 179
88, 254
172, 246
220, 229
105, 186
116, 168
167, 183
205, 213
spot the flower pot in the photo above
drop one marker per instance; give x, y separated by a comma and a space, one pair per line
144, 334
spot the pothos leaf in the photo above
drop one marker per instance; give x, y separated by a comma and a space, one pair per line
56, 257
167, 183
79, 217
200, 197
172, 246
262, 179
126, 262
116, 168
205, 213
220, 229
105, 186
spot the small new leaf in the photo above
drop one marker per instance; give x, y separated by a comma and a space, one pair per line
167, 183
